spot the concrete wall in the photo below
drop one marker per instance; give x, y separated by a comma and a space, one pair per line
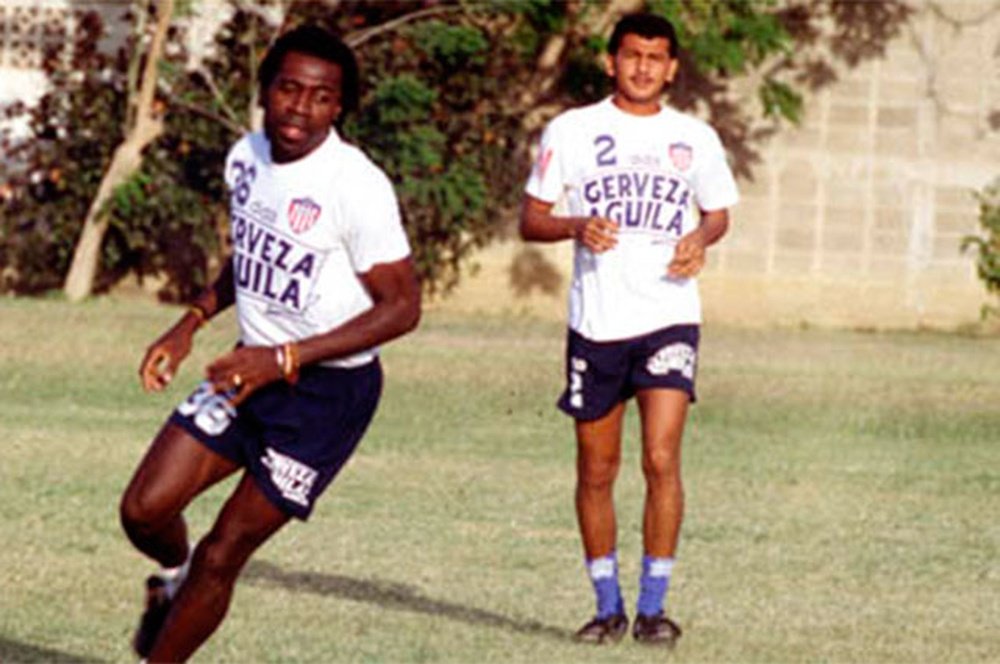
855, 217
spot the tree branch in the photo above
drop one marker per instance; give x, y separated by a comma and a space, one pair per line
937, 10
147, 88
359, 37
132, 76
232, 125
206, 75
125, 161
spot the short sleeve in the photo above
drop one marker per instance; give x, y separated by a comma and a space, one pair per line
548, 175
714, 185
375, 230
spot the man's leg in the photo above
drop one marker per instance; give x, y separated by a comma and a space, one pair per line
598, 456
597, 462
246, 521
663, 413
174, 471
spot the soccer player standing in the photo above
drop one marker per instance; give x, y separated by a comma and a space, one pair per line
320, 275
631, 172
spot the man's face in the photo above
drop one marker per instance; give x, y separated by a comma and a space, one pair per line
641, 68
300, 104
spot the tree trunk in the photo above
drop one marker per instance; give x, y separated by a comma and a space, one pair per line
534, 111
126, 160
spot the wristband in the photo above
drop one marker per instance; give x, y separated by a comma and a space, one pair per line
198, 312
287, 357
279, 357
292, 361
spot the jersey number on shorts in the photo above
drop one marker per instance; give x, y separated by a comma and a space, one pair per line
210, 412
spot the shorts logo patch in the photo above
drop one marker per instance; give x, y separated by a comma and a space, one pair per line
212, 412
678, 357
293, 478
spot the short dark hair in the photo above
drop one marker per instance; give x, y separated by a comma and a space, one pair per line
646, 25
317, 42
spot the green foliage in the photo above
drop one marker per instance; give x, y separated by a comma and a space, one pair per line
730, 38
451, 46
987, 246
401, 100
453, 94
780, 100
436, 117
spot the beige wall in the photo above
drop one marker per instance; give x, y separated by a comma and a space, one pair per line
855, 217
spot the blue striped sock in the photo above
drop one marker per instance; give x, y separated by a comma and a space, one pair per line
653, 584
603, 574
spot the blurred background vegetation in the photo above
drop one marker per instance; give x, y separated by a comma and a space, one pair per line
454, 95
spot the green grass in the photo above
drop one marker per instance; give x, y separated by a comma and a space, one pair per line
843, 492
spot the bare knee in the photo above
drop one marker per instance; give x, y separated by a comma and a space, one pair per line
138, 514
661, 467
222, 556
598, 473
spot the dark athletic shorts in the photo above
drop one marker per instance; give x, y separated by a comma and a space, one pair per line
599, 374
292, 439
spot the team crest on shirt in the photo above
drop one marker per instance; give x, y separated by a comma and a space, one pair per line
302, 214
681, 155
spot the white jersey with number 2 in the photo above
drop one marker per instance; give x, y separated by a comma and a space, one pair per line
649, 174
302, 232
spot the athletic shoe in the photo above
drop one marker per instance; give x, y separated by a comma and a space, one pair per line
603, 630
157, 607
656, 630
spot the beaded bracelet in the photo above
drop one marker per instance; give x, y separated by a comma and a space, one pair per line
287, 357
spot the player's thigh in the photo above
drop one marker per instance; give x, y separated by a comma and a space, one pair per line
176, 468
247, 520
663, 412
599, 441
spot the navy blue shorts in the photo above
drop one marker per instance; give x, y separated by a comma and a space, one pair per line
293, 439
600, 374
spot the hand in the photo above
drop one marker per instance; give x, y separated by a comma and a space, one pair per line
689, 256
243, 371
596, 233
162, 358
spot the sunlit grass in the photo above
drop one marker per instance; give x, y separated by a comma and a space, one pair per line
842, 498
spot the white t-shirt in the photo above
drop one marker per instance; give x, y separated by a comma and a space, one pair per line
302, 231
648, 173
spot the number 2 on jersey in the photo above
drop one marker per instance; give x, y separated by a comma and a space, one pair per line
605, 150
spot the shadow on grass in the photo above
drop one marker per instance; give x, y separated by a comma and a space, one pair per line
392, 595
15, 651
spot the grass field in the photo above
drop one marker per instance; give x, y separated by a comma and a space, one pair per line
843, 499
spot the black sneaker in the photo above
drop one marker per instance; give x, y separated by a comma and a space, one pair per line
157, 608
656, 630
603, 630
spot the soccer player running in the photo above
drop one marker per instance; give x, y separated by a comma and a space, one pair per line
320, 275
631, 172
